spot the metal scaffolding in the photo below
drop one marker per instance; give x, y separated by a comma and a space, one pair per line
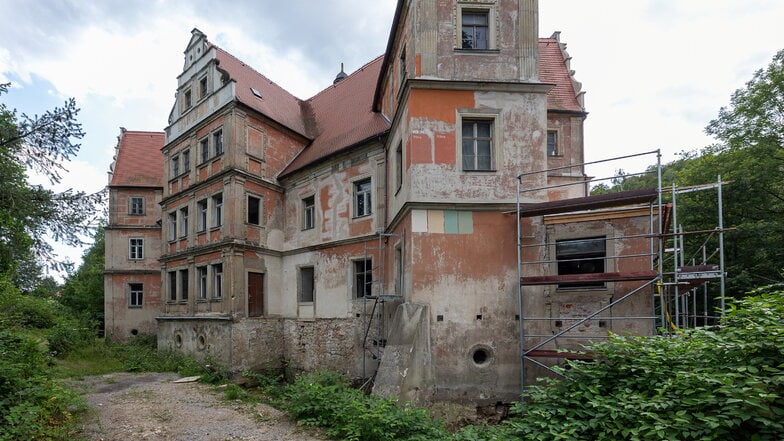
676, 280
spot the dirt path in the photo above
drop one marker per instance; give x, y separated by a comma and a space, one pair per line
152, 407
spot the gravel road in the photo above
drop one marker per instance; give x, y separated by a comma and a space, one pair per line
152, 407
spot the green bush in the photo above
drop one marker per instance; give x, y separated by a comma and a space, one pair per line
18, 310
68, 334
724, 383
31, 404
325, 399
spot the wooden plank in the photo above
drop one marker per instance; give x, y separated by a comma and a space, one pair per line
618, 199
593, 277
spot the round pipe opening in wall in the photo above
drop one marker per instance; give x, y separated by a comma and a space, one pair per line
201, 343
178, 340
481, 355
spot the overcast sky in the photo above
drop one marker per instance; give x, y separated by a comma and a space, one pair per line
655, 72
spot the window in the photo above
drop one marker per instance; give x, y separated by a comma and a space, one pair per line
183, 222
217, 282
136, 206
254, 210
306, 284
203, 87
552, 143
474, 30
202, 274
363, 278
362, 199
217, 141
204, 149
186, 160
172, 286
308, 213
399, 270
399, 165
175, 166
477, 145
187, 102
184, 284
136, 297
172, 226
580, 256
217, 210
136, 249
201, 211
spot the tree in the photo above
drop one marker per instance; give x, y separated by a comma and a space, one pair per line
30, 213
83, 291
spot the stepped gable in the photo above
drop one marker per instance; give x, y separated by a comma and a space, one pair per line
343, 116
275, 102
554, 68
138, 160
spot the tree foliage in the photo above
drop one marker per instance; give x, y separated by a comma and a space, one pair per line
30, 213
83, 290
749, 154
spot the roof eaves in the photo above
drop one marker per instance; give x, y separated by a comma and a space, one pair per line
387, 56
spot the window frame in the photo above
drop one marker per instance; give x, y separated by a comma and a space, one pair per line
135, 295
365, 196
301, 286
217, 280
187, 99
564, 259
175, 166
204, 150
474, 39
557, 147
202, 276
136, 251
249, 211
203, 87
309, 212
186, 160
494, 117
399, 167
217, 142
362, 287
183, 221
172, 225
217, 210
202, 210
172, 285
474, 7
132, 206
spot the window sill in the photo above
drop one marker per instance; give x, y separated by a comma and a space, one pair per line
477, 51
135, 307
216, 299
308, 229
361, 216
305, 303
474, 172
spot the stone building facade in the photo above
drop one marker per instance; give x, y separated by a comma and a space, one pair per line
368, 229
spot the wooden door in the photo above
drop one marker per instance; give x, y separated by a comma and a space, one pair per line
255, 294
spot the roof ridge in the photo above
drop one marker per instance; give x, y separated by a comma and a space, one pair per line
333, 86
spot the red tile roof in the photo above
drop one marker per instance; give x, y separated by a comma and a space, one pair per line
343, 116
275, 102
553, 69
138, 161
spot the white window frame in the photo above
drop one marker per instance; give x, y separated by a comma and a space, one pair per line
492, 115
308, 212
557, 150
136, 248
183, 221
202, 210
132, 206
217, 280
217, 210
135, 296
202, 275
366, 196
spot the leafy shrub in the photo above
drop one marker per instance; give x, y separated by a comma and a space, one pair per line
325, 399
32, 405
68, 334
18, 310
724, 383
